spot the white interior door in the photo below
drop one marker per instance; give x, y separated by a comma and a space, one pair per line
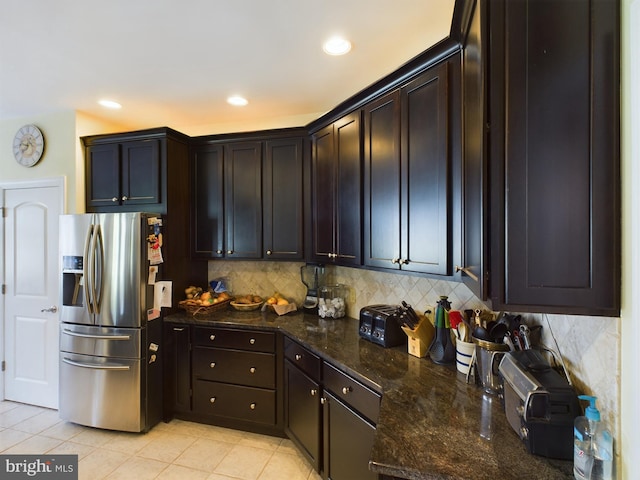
31, 291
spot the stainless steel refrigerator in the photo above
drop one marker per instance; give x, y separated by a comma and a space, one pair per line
110, 349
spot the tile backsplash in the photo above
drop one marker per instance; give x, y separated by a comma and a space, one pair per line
589, 346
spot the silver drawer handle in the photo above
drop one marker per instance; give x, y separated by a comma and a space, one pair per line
212, 337
212, 365
252, 406
252, 370
96, 337
346, 390
95, 367
212, 400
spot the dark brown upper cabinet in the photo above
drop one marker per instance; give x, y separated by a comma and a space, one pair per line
126, 172
553, 87
337, 192
407, 186
243, 200
474, 179
283, 204
207, 210
248, 198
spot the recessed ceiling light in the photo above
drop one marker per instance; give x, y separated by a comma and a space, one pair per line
337, 46
110, 104
237, 101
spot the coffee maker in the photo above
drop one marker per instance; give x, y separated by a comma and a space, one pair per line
313, 277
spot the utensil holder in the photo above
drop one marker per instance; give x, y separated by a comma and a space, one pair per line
420, 337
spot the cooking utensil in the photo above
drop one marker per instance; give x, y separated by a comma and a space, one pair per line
498, 331
524, 336
441, 350
463, 332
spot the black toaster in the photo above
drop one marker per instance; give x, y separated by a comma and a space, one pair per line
539, 403
379, 324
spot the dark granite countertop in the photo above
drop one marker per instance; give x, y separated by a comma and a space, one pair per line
432, 424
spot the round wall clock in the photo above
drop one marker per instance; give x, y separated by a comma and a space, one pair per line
28, 145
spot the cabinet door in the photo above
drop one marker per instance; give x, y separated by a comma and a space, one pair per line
323, 195
302, 414
382, 227
426, 236
207, 239
348, 158
243, 200
103, 175
475, 191
141, 170
561, 154
283, 199
348, 440
178, 370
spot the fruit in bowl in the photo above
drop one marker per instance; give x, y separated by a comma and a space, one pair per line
247, 302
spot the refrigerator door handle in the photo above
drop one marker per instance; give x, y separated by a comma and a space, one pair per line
96, 337
98, 252
88, 270
95, 367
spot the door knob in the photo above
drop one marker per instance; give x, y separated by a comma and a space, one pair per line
51, 309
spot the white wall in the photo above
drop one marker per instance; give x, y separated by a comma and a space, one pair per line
630, 353
59, 155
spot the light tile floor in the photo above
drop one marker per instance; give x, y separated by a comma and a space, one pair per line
176, 450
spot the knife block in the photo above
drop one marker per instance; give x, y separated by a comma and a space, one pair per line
420, 337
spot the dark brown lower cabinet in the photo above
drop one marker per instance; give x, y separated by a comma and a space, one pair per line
230, 377
303, 412
348, 438
177, 376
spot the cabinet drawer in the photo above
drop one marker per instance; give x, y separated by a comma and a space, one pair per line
302, 358
234, 401
353, 393
255, 341
234, 366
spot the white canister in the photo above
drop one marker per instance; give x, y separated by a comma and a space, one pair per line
464, 355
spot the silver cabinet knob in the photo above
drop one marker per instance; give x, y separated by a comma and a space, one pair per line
212, 400
252, 341
212, 337
252, 406
114, 199
269, 252
229, 252
346, 390
298, 357
323, 400
252, 370
313, 392
212, 365
395, 260
125, 198
219, 252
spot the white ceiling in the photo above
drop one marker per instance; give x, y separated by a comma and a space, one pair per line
174, 62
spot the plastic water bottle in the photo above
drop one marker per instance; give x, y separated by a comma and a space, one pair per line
592, 445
